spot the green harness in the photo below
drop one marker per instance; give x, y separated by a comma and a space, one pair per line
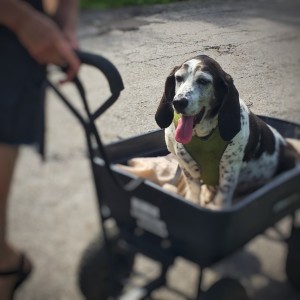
207, 152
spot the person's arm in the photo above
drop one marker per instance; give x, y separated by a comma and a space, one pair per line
66, 17
39, 35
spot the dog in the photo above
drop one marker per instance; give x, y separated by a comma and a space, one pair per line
222, 148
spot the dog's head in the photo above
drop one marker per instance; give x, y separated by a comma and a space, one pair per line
200, 87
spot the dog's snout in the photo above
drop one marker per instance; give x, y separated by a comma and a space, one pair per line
180, 104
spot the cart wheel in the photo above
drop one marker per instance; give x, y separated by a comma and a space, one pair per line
101, 273
225, 289
293, 258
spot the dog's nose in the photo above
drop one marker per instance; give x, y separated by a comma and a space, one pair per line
180, 104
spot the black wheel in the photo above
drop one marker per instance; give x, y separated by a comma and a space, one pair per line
225, 289
293, 258
101, 271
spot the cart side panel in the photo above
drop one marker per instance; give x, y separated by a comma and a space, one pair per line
160, 225
262, 209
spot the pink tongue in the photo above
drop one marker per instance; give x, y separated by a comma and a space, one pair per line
184, 130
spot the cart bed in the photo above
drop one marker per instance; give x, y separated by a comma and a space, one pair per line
163, 225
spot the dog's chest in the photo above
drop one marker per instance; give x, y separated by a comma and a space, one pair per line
184, 158
199, 155
258, 169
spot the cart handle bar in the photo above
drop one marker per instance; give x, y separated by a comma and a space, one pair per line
116, 86
106, 67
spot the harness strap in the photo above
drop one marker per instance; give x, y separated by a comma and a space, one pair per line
207, 153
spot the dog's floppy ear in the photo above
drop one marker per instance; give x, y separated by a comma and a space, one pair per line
229, 118
164, 114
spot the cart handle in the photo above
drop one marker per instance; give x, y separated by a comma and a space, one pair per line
116, 86
110, 72
106, 67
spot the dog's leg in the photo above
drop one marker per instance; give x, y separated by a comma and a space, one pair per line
228, 183
193, 187
230, 166
207, 195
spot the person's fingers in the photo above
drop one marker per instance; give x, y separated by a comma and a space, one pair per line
54, 59
72, 62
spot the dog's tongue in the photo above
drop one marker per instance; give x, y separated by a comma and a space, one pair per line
184, 129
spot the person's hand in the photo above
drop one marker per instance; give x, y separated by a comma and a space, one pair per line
71, 37
47, 44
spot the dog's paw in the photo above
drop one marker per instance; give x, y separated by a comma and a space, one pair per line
221, 200
207, 195
193, 197
170, 188
213, 206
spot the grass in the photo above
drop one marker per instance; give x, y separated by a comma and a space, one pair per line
102, 4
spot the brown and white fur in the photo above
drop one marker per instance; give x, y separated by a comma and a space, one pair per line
255, 153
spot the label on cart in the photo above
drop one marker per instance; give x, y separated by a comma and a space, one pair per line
148, 217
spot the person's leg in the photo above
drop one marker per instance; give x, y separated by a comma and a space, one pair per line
8, 157
9, 257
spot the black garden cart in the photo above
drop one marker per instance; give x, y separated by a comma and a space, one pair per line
139, 217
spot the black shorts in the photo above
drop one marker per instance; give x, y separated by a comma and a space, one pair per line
22, 85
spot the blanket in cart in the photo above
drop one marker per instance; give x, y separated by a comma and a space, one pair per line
165, 172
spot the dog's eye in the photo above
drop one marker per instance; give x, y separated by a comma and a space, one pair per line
179, 78
202, 81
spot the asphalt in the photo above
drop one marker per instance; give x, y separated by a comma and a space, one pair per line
53, 210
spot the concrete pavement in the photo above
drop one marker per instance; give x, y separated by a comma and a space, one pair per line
53, 212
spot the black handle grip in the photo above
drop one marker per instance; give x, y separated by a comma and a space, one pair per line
106, 67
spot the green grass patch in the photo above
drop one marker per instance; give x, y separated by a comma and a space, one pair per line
102, 4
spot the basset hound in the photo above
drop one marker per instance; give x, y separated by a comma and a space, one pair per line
222, 148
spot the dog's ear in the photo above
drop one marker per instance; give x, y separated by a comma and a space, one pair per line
229, 118
165, 114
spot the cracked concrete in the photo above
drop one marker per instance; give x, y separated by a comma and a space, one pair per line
53, 211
